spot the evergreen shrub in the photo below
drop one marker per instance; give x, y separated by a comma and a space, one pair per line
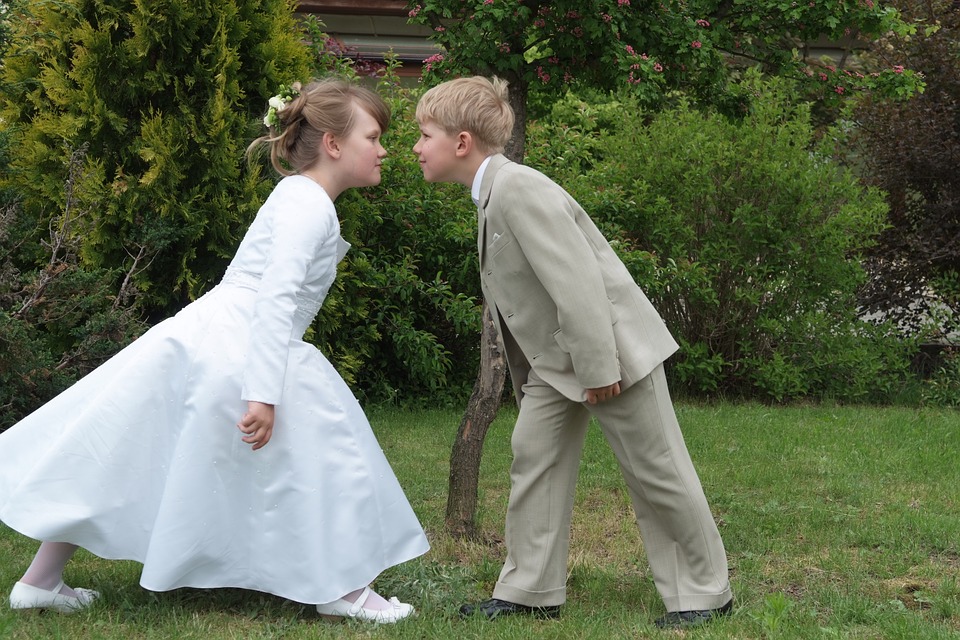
165, 94
747, 239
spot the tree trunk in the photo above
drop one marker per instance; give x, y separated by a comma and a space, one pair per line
468, 447
488, 388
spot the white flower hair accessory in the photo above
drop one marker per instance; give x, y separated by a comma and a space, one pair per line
277, 104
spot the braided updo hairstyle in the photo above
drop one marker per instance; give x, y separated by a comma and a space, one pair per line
321, 106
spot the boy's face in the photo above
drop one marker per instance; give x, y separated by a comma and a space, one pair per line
437, 151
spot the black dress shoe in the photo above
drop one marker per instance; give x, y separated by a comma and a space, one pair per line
495, 607
676, 619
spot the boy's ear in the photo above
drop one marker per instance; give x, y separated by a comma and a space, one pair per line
331, 145
464, 143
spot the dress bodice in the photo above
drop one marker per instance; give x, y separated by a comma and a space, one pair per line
289, 257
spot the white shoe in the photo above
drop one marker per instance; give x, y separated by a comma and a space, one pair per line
25, 596
343, 609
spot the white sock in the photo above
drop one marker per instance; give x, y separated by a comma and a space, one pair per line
46, 570
375, 602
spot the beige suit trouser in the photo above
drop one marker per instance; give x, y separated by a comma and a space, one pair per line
680, 537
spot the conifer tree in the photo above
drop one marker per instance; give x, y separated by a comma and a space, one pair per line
163, 94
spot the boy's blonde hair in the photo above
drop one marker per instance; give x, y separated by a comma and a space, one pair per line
476, 105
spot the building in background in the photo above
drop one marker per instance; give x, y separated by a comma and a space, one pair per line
369, 29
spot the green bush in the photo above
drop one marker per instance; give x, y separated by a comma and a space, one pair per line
58, 321
746, 238
166, 95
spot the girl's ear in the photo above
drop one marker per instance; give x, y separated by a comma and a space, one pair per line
331, 145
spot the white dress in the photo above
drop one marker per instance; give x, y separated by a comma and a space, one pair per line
142, 459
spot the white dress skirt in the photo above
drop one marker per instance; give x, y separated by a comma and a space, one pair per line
142, 460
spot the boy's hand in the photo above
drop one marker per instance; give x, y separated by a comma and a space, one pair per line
603, 393
257, 424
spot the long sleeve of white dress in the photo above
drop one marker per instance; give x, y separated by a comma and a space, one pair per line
293, 247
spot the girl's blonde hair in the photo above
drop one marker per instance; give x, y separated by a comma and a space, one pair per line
321, 106
476, 105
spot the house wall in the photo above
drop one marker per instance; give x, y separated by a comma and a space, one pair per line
372, 28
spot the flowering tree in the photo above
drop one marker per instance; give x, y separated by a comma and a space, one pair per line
655, 46
650, 47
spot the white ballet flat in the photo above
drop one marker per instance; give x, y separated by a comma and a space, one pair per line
25, 596
343, 609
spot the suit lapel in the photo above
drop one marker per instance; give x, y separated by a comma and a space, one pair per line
486, 187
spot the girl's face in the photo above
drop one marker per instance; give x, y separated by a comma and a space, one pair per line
361, 151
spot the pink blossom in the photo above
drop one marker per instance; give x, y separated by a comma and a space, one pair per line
504, 47
657, 67
703, 23
543, 75
822, 76
623, 3
487, 1
429, 62
540, 24
413, 12
696, 44
440, 29
606, 17
577, 31
898, 68
839, 89
631, 51
567, 77
573, 15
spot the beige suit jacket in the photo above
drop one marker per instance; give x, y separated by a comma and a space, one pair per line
563, 302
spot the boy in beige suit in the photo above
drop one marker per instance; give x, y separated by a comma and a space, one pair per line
581, 339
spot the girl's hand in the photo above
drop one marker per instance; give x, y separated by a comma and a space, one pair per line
257, 424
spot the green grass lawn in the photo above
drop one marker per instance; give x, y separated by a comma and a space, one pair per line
839, 522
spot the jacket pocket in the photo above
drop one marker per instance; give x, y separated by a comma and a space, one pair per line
561, 340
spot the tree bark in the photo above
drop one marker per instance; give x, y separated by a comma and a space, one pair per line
468, 446
488, 388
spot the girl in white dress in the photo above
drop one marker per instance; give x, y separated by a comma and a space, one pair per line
219, 449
